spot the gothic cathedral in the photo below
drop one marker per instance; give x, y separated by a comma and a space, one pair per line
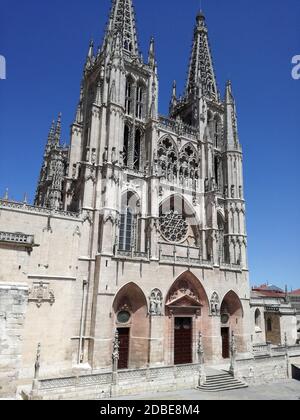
138, 227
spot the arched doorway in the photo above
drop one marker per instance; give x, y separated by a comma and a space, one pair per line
231, 322
187, 310
131, 320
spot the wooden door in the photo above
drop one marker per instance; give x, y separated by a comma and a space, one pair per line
225, 342
183, 341
124, 348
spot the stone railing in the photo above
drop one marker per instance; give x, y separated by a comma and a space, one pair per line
17, 238
134, 172
137, 376
269, 350
182, 255
261, 349
14, 205
132, 254
230, 266
76, 381
177, 127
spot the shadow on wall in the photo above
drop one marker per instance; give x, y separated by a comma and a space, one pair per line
296, 372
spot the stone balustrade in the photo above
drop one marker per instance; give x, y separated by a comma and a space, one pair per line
132, 254
100, 385
269, 350
18, 238
182, 255
179, 128
15, 205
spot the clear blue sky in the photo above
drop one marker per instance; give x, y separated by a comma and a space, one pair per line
253, 42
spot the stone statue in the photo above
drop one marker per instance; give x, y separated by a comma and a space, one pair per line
156, 300
232, 191
93, 159
206, 185
105, 155
215, 305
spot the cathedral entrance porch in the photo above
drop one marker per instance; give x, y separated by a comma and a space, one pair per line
183, 341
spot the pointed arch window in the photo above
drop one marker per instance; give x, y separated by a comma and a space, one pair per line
126, 230
139, 107
128, 96
217, 132
257, 318
137, 150
126, 145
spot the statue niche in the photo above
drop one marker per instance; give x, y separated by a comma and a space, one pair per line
156, 300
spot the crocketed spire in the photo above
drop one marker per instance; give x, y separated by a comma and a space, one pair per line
201, 75
122, 20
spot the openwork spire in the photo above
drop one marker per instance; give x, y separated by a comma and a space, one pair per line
57, 133
201, 76
122, 20
50, 138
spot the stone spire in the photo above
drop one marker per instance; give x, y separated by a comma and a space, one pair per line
231, 131
57, 133
90, 56
151, 55
122, 20
50, 138
173, 101
201, 75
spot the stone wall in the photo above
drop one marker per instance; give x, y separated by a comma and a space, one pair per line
13, 303
262, 370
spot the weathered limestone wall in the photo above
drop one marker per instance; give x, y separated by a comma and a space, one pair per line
288, 326
262, 370
13, 304
54, 272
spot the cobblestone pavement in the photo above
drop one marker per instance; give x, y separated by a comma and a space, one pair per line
286, 390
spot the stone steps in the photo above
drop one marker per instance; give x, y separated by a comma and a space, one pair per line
221, 382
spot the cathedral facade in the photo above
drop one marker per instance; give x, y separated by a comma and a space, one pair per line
138, 227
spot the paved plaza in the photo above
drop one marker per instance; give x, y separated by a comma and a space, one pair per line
285, 390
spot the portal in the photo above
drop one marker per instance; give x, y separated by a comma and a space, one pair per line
183, 342
124, 348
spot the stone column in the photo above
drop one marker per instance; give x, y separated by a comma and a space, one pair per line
115, 358
216, 339
35, 383
200, 352
157, 344
232, 355
287, 358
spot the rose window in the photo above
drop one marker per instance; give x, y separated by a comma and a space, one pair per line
173, 227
